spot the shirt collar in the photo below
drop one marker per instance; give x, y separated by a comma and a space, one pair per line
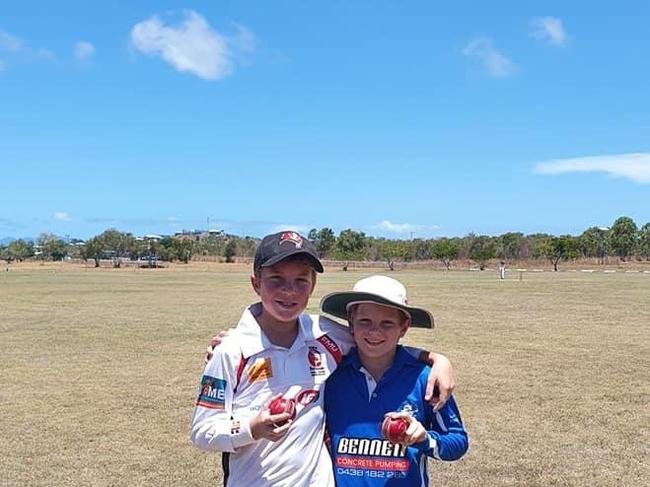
254, 341
402, 359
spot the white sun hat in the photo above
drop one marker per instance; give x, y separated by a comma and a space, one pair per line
379, 290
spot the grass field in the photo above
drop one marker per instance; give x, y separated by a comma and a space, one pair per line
100, 368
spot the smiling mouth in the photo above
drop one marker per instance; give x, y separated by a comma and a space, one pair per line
286, 304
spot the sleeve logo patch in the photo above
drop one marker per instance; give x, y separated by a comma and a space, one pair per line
331, 346
260, 370
212, 394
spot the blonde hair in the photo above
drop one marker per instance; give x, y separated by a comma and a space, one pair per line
352, 308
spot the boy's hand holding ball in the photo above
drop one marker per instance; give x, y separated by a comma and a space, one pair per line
394, 428
402, 428
274, 420
280, 405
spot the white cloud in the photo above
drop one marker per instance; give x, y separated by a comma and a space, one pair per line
389, 226
83, 50
496, 63
10, 42
635, 167
192, 45
396, 227
46, 54
62, 216
17, 47
550, 29
244, 40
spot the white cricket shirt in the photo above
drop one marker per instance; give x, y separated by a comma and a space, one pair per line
244, 373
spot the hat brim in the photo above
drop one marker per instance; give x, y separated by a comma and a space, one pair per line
316, 264
336, 304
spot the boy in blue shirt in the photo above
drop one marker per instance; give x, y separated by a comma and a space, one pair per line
378, 379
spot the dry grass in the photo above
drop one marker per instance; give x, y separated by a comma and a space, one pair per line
99, 370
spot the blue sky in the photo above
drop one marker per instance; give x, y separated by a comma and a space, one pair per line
399, 119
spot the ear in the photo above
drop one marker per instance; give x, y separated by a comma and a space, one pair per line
256, 284
405, 326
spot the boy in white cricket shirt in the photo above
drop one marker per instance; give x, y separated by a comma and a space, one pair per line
274, 351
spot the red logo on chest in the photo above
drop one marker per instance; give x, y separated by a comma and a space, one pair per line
314, 357
307, 397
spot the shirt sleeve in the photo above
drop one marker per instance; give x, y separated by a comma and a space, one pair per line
415, 352
214, 424
339, 333
447, 439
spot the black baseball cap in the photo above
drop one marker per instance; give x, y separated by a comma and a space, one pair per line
278, 246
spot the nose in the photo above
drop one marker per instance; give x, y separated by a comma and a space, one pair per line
373, 327
288, 286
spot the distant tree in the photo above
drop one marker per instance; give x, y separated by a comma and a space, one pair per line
245, 246
560, 248
118, 244
643, 244
482, 249
165, 250
213, 245
593, 243
534, 245
464, 244
350, 245
73, 248
445, 250
159, 250
92, 249
323, 239
623, 237
392, 250
230, 250
52, 247
20, 250
182, 249
141, 249
509, 245
4, 254
421, 249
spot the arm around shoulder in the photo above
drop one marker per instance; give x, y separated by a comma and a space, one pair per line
441, 383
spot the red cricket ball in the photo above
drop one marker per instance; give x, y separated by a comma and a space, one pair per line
282, 405
394, 428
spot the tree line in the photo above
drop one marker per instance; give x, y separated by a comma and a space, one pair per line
624, 240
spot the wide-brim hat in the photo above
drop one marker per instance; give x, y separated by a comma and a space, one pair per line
379, 290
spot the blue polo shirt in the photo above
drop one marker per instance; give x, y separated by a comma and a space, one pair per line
360, 454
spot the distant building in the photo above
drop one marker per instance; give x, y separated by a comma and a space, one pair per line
201, 234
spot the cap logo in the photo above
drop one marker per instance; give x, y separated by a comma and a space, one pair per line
292, 237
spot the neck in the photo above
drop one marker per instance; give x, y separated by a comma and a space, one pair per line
377, 366
280, 334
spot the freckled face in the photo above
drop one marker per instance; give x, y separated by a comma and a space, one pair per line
284, 289
377, 329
